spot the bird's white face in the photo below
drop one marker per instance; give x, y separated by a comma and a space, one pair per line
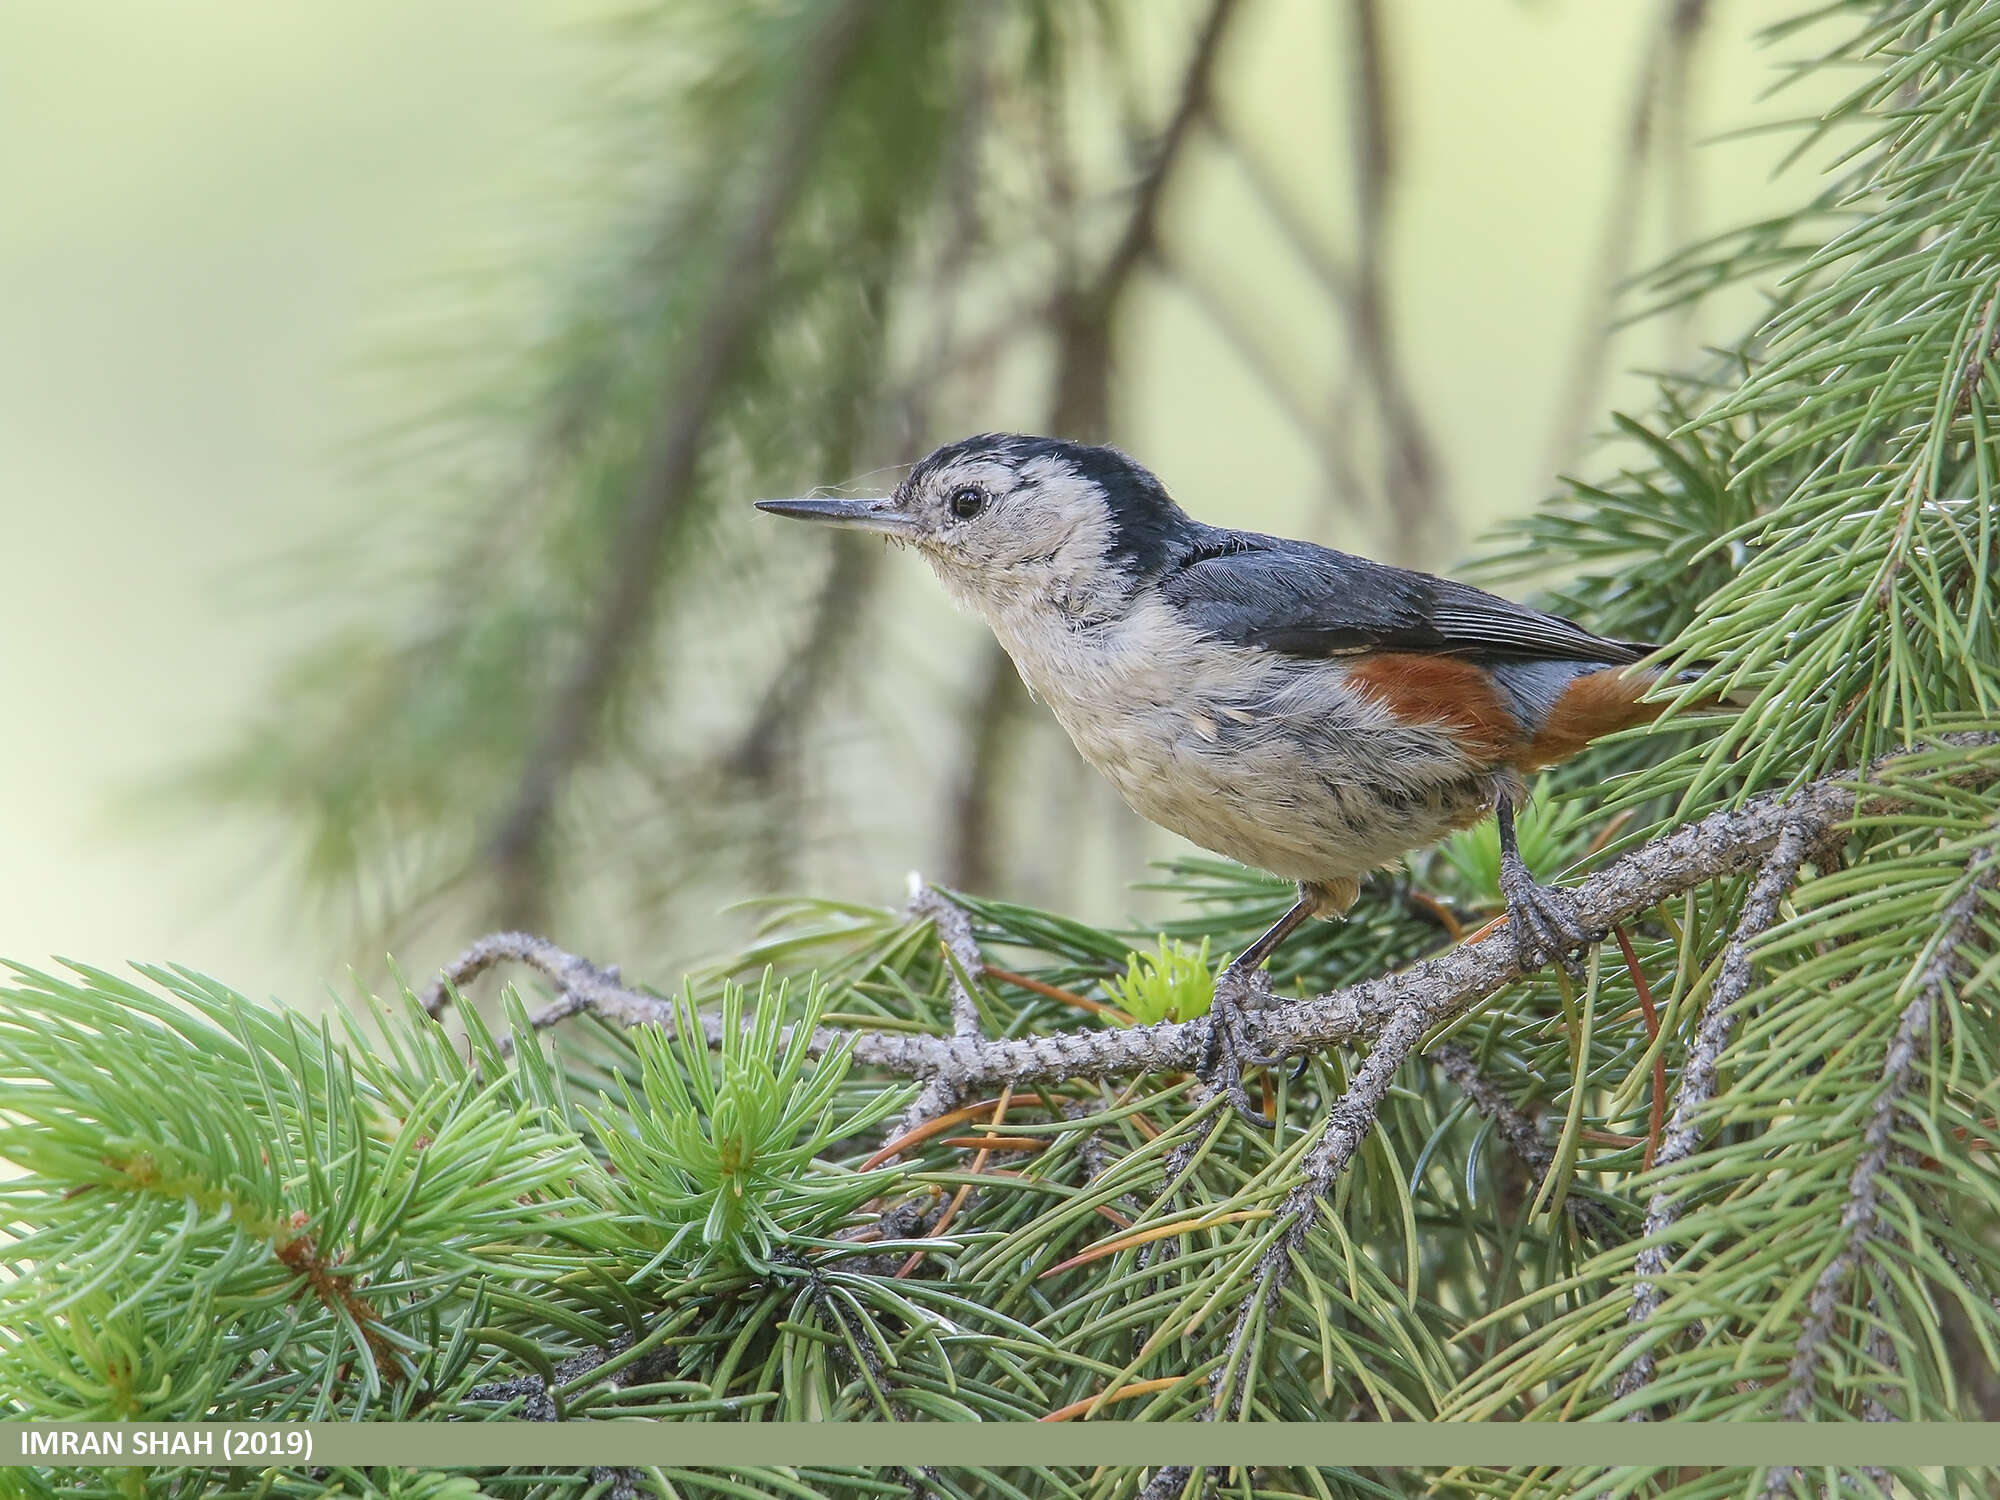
1005, 530
1003, 533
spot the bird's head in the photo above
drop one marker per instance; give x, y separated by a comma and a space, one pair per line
1008, 522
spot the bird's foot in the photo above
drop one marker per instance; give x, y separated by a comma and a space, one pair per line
1228, 1051
1544, 919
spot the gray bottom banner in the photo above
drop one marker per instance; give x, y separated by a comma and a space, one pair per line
996, 1445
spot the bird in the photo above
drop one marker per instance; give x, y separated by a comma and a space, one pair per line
1294, 708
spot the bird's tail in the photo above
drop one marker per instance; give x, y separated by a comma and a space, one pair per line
1603, 702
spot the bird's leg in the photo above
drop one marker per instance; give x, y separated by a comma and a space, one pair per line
1543, 918
1240, 988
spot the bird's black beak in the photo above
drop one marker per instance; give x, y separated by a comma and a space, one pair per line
857, 515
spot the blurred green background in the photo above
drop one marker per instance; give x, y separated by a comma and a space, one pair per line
246, 250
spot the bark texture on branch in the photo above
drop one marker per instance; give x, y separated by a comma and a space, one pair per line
941, 1095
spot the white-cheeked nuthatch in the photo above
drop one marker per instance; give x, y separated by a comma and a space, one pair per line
1294, 708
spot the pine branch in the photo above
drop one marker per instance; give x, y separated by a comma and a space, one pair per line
1340, 1137
1776, 830
1861, 1219
1391, 1016
1698, 1082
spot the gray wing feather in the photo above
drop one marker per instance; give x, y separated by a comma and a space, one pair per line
1305, 600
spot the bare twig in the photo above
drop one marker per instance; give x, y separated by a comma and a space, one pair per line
768, 753
1860, 1222
580, 984
839, 613
1336, 279
1698, 1079
954, 930
519, 842
963, 182
1676, 156
766, 750
1086, 316
1515, 1128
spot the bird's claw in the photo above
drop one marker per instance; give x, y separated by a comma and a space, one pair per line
1544, 919
1227, 1051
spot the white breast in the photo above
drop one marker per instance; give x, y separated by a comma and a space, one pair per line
1267, 759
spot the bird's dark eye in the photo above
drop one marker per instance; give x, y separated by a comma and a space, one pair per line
967, 501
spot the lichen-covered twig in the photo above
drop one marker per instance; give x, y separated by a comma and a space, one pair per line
1722, 844
580, 985
1341, 1136
1698, 1079
1860, 1222
941, 1094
